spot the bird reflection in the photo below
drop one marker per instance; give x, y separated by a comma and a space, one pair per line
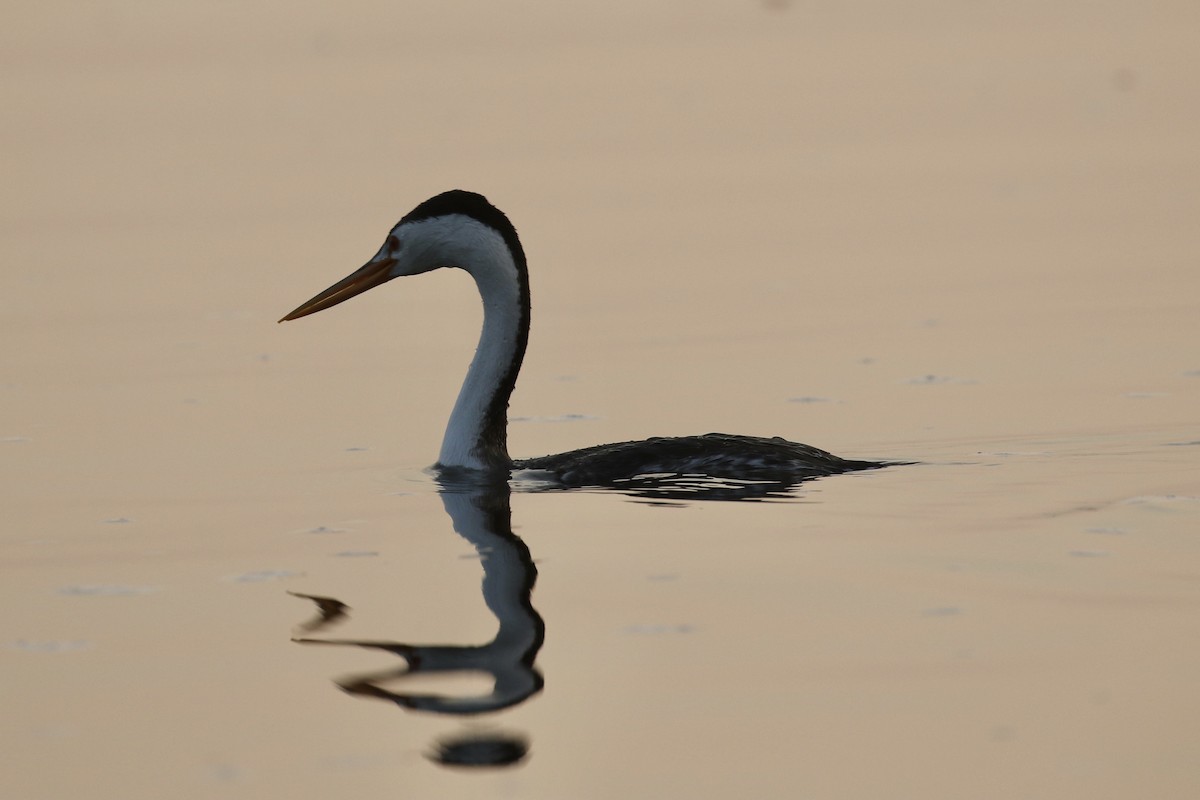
480, 513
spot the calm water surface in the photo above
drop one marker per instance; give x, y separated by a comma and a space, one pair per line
773, 219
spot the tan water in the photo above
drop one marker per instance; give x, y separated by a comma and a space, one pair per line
961, 235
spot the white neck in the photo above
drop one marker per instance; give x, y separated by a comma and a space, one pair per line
476, 435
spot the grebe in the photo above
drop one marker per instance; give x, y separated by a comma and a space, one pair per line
462, 229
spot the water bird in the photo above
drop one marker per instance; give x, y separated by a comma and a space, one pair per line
462, 229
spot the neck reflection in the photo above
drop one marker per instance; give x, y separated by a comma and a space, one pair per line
481, 514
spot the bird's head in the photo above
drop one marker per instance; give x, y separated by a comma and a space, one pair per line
452, 229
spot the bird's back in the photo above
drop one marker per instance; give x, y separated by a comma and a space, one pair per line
718, 455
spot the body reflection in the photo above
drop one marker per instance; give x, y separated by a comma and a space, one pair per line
681, 487
480, 513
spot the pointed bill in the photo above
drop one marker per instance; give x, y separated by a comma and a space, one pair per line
366, 277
